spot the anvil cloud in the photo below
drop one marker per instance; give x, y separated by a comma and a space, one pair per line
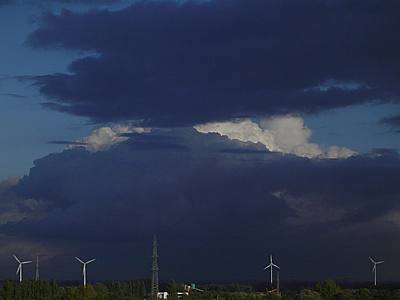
165, 63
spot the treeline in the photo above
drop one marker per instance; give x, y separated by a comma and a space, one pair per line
44, 290
323, 290
329, 290
136, 290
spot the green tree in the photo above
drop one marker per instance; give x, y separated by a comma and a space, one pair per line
307, 294
172, 290
328, 289
101, 292
363, 294
344, 295
273, 296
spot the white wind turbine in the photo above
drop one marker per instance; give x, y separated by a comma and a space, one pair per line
84, 268
271, 265
21, 263
374, 268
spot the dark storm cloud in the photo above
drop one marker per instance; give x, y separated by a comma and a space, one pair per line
5, 2
211, 196
176, 177
90, 1
41, 2
14, 208
393, 121
165, 63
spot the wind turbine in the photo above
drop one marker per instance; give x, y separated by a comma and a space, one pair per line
271, 265
84, 268
21, 263
374, 268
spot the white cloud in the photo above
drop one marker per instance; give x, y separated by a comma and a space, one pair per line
104, 137
285, 134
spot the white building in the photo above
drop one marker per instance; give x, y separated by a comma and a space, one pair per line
164, 295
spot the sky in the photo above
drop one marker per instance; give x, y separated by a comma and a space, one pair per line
232, 129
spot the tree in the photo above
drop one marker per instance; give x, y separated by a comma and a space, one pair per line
273, 296
344, 295
328, 289
172, 290
363, 294
307, 294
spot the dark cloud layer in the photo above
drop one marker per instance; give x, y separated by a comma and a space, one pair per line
165, 63
5, 2
211, 196
393, 121
41, 2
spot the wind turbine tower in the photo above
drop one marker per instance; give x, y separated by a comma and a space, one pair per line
84, 268
277, 283
37, 268
374, 268
271, 266
154, 278
21, 263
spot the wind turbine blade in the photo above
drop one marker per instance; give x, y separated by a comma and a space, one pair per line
92, 260
275, 266
380, 262
19, 268
78, 259
267, 267
16, 258
373, 269
370, 258
26, 262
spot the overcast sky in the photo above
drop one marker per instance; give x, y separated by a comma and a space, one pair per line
232, 129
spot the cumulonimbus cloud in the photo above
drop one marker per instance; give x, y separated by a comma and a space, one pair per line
285, 134
121, 196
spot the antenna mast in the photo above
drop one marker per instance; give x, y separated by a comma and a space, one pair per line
154, 279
